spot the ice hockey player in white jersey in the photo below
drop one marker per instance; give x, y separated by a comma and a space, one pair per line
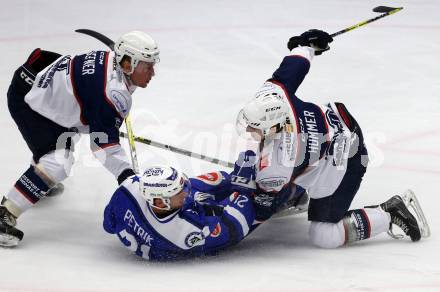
321, 149
164, 216
52, 98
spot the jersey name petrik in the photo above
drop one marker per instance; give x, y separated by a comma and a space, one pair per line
131, 222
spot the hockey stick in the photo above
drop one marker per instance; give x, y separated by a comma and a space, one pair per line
179, 150
379, 9
99, 36
131, 138
133, 153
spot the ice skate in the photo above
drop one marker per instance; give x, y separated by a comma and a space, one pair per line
9, 235
398, 207
412, 203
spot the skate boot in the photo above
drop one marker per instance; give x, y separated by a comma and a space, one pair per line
9, 235
402, 217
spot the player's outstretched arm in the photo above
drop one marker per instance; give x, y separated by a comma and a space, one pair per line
295, 67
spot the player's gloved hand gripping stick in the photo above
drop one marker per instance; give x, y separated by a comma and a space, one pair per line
319, 39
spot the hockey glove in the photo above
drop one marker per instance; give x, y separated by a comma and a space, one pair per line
126, 173
204, 198
264, 205
243, 176
314, 38
207, 201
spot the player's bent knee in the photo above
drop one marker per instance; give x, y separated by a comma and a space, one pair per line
327, 235
56, 165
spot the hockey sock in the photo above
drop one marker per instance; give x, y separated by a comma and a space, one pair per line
28, 189
361, 224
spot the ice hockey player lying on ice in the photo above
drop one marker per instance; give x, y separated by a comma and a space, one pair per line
321, 149
164, 216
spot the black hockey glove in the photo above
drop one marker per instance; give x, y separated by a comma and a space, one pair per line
264, 205
314, 38
126, 173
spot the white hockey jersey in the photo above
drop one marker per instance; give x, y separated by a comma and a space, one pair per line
90, 93
287, 152
314, 155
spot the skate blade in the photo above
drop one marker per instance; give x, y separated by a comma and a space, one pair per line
7, 240
411, 201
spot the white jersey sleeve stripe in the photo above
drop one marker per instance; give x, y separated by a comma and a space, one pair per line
239, 217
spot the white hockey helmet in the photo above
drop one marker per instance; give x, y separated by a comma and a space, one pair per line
137, 45
265, 111
163, 182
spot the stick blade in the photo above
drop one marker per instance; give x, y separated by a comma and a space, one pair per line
99, 36
385, 9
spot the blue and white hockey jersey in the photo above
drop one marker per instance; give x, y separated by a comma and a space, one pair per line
193, 230
315, 152
90, 93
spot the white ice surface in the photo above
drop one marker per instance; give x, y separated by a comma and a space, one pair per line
214, 54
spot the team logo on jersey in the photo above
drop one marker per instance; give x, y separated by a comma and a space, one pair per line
272, 183
61, 65
194, 239
212, 178
120, 102
118, 123
333, 120
217, 231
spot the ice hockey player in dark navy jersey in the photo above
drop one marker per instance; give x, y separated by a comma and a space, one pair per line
321, 149
53, 98
164, 216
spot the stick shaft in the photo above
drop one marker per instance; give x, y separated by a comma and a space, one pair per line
179, 150
366, 22
130, 136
